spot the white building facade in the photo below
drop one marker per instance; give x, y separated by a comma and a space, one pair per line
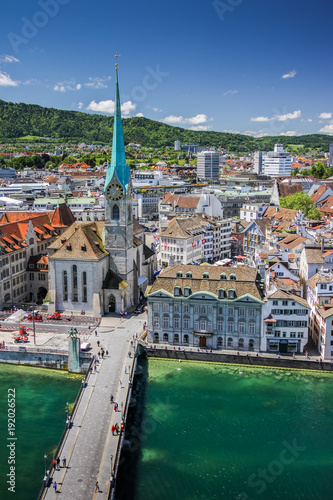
277, 163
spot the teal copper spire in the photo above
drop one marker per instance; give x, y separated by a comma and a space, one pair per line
118, 159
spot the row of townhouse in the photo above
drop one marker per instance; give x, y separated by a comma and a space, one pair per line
24, 239
220, 307
199, 238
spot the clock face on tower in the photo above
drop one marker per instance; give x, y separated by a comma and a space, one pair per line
115, 191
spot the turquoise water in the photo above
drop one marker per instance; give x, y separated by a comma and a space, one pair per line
40, 402
214, 431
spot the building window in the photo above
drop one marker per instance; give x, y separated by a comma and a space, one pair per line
221, 293
75, 297
65, 285
84, 284
165, 337
155, 306
252, 313
165, 307
241, 327
186, 308
203, 310
220, 326
176, 338
186, 323
240, 343
156, 338
252, 328
156, 321
230, 326
186, 339
203, 325
220, 342
176, 322
115, 212
165, 321
251, 344
230, 342
231, 311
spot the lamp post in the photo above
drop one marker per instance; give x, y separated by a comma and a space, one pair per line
33, 324
111, 458
67, 410
45, 458
122, 406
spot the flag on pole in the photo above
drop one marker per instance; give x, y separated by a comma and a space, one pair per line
165, 244
203, 241
193, 244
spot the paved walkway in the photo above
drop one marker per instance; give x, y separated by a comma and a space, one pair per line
90, 442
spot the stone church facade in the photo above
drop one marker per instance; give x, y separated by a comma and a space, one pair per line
103, 266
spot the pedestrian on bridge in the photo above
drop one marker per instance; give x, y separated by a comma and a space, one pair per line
96, 486
111, 398
64, 461
113, 428
55, 486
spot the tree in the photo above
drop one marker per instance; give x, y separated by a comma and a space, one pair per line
301, 201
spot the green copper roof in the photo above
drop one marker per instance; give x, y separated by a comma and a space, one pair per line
118, 159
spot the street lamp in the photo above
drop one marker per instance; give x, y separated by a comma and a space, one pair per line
111, 458
122, 405
33, 324
45, 458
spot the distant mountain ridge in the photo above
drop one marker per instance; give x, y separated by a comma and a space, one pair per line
20, 119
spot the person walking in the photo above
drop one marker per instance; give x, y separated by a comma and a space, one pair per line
64, 461
106, 352
54, 463
96, 333
96, 486
117, 428
55, 486
113, 428
111, 398
98, 342
58, 463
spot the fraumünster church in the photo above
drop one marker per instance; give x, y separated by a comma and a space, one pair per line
103, 266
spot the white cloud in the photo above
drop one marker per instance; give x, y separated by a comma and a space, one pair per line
139, 115
328, 129
261, 119
309, 119
280, 118
201, 127
108, 107
8, 59
231, 92
289, 133
291, 74
157, 110
325, 116
255, 133
232, 131
194, 120
97, 82
6, 81
288, 116
64, 86
32, 81
80, 105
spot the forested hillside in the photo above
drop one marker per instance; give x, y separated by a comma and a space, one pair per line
18, 120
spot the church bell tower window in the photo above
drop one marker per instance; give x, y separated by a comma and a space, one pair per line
84, 284
65, 288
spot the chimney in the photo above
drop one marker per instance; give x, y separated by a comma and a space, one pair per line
322, 244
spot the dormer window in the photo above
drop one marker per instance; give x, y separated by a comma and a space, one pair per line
231, 293
233, 277
189, 274
69, 247
179, 274
223, 276
176, 290
221, 293
187, 291
84, 248
205, 276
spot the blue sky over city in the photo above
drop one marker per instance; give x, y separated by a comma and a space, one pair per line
249, 66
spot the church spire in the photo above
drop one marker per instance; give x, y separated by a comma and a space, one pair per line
118, 159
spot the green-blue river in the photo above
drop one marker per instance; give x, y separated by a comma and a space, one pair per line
214, 431
40, 416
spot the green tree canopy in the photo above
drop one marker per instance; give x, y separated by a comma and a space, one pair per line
301, 201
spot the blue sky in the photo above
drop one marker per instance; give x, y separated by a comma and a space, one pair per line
250, 66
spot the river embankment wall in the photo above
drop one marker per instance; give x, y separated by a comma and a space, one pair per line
252, 359
54, 360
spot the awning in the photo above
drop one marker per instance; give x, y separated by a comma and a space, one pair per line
270, 319
141, 280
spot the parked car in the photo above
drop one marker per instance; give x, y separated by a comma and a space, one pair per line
85, 346
139, 309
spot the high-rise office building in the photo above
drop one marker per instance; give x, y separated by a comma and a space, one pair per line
257, 162
330, 157
208, 165
277, 163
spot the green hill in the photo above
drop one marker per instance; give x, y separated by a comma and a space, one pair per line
19, 122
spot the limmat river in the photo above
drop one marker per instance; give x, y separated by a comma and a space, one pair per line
212, 431
40, 417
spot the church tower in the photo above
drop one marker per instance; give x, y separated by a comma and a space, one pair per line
118, 201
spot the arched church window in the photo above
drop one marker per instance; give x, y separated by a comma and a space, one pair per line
84, 286
75, 297
130, 213
115, 212
65, 285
